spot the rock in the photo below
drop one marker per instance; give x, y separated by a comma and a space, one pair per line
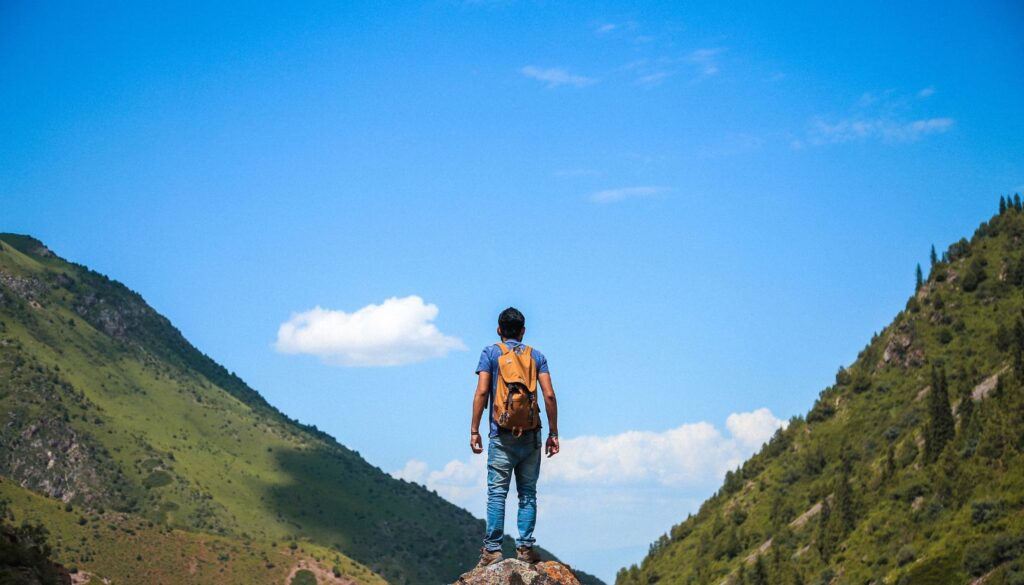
515, 572
900, 348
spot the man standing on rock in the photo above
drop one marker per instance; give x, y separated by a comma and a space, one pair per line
507, 378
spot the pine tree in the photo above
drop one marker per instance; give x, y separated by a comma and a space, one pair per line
760, 575
822, 538
919, 278
966, 407
844, 515
1002, 205
940, 427
947, 478
1017, 347
1016, 201
890, 463
934, 257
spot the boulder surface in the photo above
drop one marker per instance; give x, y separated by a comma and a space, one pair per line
516, 572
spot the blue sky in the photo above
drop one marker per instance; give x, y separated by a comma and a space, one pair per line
706, 209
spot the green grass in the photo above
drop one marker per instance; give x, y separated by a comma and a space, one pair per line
130, 549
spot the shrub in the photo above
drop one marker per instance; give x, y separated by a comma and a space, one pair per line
985, 511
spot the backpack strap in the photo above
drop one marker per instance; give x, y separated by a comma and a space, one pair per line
504, 348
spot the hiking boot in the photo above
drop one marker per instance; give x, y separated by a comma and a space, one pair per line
488, 557
527, 554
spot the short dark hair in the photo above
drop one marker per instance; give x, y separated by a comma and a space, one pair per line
511, 323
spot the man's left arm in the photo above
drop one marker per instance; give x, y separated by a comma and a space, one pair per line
551, 408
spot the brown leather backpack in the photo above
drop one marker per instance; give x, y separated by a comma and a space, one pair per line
515, 396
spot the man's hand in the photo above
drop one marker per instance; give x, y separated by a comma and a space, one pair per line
475, 443
551, 447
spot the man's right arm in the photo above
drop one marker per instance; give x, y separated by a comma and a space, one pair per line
483, 388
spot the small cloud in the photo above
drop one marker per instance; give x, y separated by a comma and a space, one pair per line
556, 76
706, 60
654, 79
885, 129
615, 195
777, 76
926, 92
396, 332
603, 29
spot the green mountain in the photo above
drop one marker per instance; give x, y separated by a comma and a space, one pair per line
908, 469
143, 456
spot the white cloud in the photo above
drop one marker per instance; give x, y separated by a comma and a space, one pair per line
556, 76
885, 129
706, 60
614, 195
603, 499
654, 79
605, 28
926, 92
692, 455
395, 332
752, 429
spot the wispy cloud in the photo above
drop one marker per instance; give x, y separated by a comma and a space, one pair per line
556, 76
862, 129
623, 193
654, 79
605, 28
706, 60
396, 332
884, 116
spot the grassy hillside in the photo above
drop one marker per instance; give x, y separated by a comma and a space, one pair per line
98, 544
907, 470
104, 405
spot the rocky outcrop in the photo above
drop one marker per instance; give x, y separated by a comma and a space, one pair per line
515, 572
900, 348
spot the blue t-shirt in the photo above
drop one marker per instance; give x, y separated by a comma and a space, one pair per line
489, 363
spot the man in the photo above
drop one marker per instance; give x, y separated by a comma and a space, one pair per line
516, 450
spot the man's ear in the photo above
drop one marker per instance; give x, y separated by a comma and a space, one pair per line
498, 331
523, 334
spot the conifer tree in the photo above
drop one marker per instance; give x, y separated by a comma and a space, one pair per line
947, 477
1016, 201
934, 257
759, 576
941, 427
822, 538
844, 514
1002, 205
966, 407
1017, 348
919, 278
890, 463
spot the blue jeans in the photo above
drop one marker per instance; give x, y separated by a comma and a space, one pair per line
508, 455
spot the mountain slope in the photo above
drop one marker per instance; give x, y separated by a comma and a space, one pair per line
105, 405
907, 470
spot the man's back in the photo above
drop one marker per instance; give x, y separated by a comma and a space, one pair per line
514, 451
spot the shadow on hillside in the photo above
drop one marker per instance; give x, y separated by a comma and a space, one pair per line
398, 529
